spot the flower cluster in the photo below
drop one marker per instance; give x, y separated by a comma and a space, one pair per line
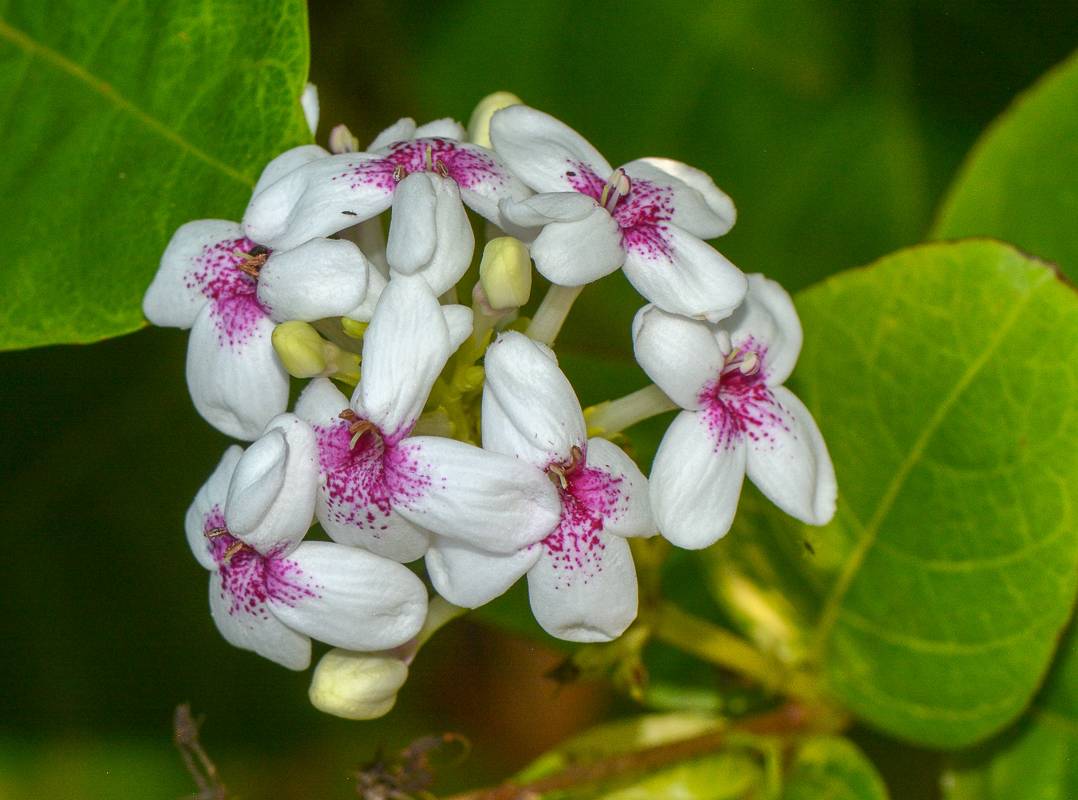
462, 443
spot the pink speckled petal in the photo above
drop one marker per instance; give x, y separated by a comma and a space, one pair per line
532, 411
789, 463
401, 130
319, 279
492, 501
585, 592
619, 488
767, 324
199, 263
575, 253
404, 350
320, 198
541, 150
208, 509
680, 354
445, 128
250, 626
236, 382
681, 274
429, 232
469, 577
286, 162
696, 479
346, 597
271, 497
699, 206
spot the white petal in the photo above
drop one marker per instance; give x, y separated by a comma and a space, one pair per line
271, 498
788, 461
696, 479
208, 509
320, 198
492, 501
236, 381
541, 150
767, 324
699, 206
309, 102
445, 128
469, 577
198, 264
429, 232
401, 130
404, 350
584, 591
376, 284
319, 279
549, 207
534, 412
251, 626
575, 253
286, 162
346, 597
459, 320
353, 500
678, 353
681, 274
613, 484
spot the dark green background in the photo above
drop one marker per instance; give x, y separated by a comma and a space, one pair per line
835, 127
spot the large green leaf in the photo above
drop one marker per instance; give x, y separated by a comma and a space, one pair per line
1020, 182
831, 768
945, 381
122, 121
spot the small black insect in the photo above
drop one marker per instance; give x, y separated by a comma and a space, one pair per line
571, 174
350, 213
808, 546
259, 250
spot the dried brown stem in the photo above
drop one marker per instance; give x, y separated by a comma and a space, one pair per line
185, 736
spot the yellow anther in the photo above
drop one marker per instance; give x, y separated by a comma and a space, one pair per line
479, 125
354, 328
506, 273
749, 364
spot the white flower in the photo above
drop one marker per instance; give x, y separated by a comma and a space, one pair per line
647, 217
272, 602
384, 490
327, 195
738, 418
231, 293
581, 577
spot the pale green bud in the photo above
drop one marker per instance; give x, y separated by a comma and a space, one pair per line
300, 349
506, 273
479, 125
357, 685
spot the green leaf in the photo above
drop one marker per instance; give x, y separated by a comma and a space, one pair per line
1020, 182
122, 122
832, 768
1037, 758
944, 380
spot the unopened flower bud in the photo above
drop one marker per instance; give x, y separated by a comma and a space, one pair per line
300, 349
479, 125
506, 273
357, 685
341, 140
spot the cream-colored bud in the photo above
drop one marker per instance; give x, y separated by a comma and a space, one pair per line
479, 125
300, 349
506, 273
341, 140
357, 685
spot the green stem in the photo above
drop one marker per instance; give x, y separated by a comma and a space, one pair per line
614, 416
552, 312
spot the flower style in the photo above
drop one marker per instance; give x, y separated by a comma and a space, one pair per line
386, 491
581, 577
327, 195
648, 217
272, 598
738, 417
231, 292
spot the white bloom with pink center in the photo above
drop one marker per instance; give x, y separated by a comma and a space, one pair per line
231, 293
739, 419
387, 491
274, 602
327, 195
648, 217
581, 577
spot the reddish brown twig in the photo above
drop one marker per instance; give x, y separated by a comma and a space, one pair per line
185, 736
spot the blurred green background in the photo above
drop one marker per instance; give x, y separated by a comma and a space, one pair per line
834, 126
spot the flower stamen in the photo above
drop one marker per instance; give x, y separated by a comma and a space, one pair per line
559, 473
253, 261
358, 426
399, 173
745, 362
617, 187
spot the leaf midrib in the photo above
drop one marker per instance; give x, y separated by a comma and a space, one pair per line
34, 48
833, 604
